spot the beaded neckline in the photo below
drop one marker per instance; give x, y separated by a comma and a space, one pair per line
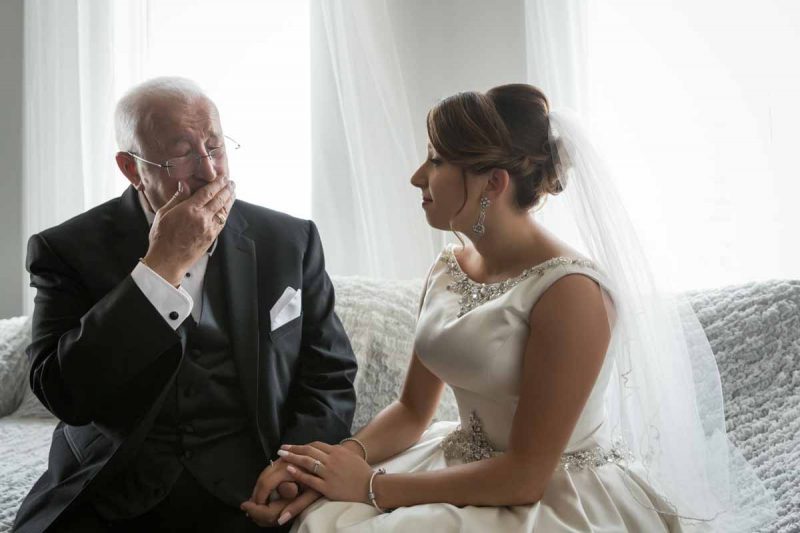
473, 293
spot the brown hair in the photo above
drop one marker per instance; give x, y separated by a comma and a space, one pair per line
507, 127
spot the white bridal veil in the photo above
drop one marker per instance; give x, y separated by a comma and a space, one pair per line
665, 398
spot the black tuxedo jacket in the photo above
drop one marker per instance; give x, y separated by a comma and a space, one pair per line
102, 356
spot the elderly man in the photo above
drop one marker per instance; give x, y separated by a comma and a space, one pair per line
178, 358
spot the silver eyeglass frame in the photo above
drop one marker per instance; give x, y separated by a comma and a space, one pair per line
197, 158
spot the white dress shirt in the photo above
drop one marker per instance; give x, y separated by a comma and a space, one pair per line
173, 304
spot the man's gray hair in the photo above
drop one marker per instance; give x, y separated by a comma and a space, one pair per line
132, 108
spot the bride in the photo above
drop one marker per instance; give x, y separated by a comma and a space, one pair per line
587, 402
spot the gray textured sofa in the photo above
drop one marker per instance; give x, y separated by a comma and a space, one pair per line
754, 330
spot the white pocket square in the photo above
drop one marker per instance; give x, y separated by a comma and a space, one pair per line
286, 309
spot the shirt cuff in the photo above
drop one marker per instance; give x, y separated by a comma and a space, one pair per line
174, 305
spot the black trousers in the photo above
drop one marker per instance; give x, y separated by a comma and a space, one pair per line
188, 507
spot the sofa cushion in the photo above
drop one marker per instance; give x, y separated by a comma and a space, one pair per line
754, 331
380, 317
24, 447
15, 335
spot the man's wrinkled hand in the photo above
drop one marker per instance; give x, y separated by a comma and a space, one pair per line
269, 513
270, 479
186, 226
278, 512
288, 490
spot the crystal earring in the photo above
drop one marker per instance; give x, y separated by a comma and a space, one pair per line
479, 228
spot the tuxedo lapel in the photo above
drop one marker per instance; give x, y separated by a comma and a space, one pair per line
131, 241
241, 288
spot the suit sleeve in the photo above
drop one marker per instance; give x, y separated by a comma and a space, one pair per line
94, 361
322, 396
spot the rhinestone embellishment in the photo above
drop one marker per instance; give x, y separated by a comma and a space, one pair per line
479, 228
471, 444
474, 294
597, 456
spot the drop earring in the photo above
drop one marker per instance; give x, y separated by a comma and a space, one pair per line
479, 228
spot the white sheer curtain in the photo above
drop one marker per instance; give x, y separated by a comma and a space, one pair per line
74, 64
556, 50
557, 63
69, 82
367, 211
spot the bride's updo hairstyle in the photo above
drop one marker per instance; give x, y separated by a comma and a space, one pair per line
507, 128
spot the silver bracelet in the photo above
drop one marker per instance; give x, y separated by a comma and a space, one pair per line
353, 439
371, 493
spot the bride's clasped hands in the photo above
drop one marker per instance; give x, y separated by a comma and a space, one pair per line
342, 475
333, 471
267, 511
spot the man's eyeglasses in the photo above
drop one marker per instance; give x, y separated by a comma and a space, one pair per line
184, 166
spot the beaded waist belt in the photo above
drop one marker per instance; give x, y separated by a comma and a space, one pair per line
471, 444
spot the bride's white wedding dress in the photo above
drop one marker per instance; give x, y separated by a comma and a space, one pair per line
473, 337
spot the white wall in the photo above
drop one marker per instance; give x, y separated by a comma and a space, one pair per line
12, 256
449, 46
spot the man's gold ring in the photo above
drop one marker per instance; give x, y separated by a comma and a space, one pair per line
317, 464
220, 219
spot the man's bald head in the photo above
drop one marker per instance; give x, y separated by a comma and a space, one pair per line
139, 108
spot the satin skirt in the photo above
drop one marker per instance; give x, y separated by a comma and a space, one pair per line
600, 499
